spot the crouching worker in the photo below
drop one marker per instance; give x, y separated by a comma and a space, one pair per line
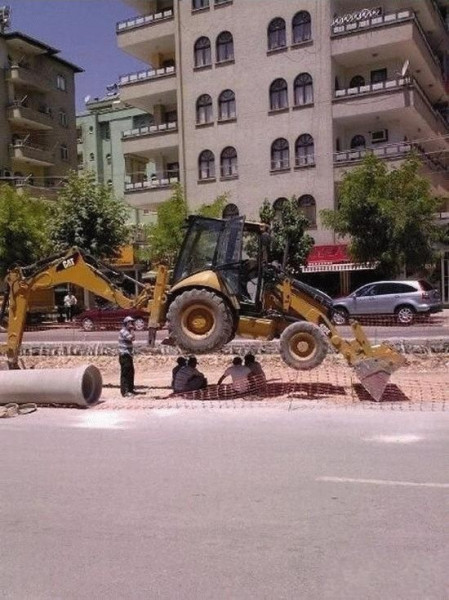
180, 362
239, 375
188, 378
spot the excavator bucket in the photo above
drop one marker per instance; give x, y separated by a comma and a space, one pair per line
375, 372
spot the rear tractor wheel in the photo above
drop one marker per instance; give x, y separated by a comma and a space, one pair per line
200, 321
303, 346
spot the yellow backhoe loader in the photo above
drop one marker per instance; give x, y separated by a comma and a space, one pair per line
222, 286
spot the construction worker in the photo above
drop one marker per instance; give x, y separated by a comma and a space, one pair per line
125, 350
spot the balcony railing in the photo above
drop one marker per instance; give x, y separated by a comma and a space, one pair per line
21, 149
150, 130
382, 20
146, 75
388, 86
151, 184
391, 152
280, 164
152, 19
28, 76
17, 111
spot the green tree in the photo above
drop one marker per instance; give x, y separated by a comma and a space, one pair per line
388, 215
164, 238
88, 215
290, 244
23, 229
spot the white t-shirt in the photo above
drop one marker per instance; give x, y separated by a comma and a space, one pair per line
239, 374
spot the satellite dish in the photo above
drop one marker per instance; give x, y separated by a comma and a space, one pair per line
86, 99
405, 68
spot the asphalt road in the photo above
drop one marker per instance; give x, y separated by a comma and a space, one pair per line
225, 504
437, 327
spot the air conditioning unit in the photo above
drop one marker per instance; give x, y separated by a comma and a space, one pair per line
379, 136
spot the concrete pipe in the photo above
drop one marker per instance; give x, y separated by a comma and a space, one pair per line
80, 386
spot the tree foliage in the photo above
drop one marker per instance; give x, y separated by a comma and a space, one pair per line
388, 215
23, 229
89, 216
290, 244
164, 238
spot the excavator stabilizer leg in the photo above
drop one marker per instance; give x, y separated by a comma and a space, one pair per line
375, 373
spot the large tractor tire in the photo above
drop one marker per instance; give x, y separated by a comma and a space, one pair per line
200, 321
303, 346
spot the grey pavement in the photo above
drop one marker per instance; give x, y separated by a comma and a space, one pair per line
224, 504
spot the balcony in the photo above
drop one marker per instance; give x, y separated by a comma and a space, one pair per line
401, 98
146, 35
28, 77
146, 140
22, 151
140, 89
29, 118
149, 194
400, 36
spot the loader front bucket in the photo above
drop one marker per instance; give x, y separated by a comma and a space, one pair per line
375, 372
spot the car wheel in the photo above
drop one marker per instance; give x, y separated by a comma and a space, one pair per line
405, 315
87, 324
340, 316
139, 324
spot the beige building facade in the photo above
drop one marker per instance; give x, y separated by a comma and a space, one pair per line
37, 114
275, 98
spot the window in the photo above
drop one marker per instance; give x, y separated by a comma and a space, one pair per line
206, 164
61, 83
358, 142
278, 94
280, 155
304, 151
91, 156
108, 159
226, 105
303, 89
63, 118
277, 206
379, 75
197, 4
230, 210
64, 152
105, 131
301, 27
357, 81
307, 204
204, 112
225, 47
277, 37
228, 162
79, 134
202, 52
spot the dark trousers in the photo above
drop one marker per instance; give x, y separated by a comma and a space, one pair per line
126, 374
69, 313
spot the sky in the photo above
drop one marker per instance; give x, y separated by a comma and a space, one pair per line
84, 31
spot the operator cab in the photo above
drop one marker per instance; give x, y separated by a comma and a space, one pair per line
232, 248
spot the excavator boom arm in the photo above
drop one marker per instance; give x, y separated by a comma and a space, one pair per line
70, 267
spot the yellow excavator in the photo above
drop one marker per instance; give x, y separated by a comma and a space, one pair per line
222, 286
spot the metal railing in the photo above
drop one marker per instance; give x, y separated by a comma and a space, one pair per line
150, 129
151, 184
305, 161
280, 165
146, 75
141, 21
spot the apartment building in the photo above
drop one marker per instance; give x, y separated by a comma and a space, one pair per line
100, 130
270, 99
37, 114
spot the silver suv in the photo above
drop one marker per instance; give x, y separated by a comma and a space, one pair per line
403, 299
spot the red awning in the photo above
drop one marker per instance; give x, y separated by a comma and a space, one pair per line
328, 254
332, 258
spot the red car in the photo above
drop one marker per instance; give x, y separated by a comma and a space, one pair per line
110, 317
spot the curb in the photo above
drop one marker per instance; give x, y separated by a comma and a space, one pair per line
404, 346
